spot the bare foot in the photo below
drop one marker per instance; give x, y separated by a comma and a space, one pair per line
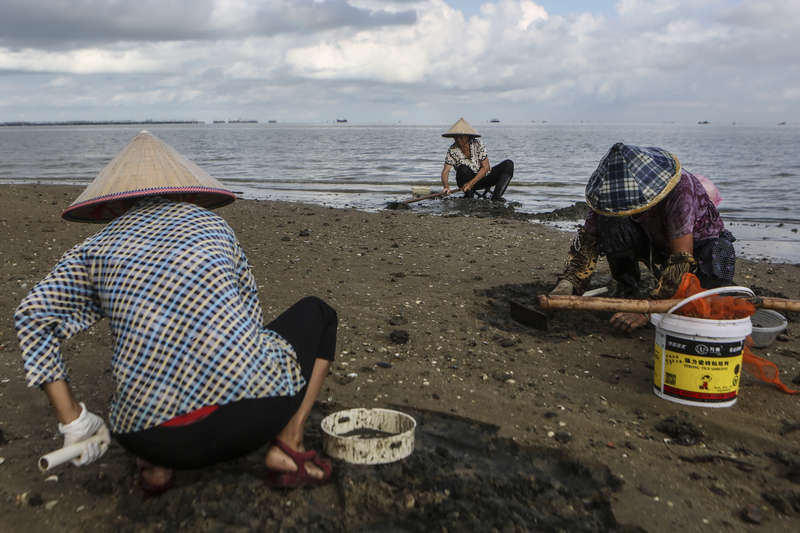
153, 478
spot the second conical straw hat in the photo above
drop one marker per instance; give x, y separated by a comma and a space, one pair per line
461, 127
146, 167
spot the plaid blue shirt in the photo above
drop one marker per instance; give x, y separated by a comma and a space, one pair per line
183, 309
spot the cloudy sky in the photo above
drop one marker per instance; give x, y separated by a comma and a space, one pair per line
426, 61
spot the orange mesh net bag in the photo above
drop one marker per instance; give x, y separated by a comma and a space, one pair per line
728, 308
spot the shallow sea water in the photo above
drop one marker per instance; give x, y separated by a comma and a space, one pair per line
756, 168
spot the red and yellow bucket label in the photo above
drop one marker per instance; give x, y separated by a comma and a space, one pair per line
697, 372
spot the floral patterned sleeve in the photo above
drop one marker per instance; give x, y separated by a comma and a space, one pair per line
481, 150
450, 158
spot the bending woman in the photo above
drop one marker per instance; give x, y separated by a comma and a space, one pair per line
473, 171
197, 376
646, 208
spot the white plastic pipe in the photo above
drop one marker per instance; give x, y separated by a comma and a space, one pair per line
73, 451
596, 292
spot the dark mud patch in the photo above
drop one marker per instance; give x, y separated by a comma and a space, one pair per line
561, 323
399, 336
458, 206
461, 477
785, 502
576, 211
680, 429
790, 464
483, 208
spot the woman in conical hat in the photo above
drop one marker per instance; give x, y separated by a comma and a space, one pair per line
198, 377
473, 171
645, 207
146, 167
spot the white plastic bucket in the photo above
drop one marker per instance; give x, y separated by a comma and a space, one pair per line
698, 361
340, 437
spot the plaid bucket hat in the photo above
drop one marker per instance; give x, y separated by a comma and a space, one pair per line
631, 179
147, 166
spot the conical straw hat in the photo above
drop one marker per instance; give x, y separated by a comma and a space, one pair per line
146, 167
461, 127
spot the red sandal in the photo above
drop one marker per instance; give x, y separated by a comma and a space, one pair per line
300, 477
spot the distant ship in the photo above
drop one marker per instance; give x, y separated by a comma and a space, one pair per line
341, 120
495, 120
703, 122
781, 123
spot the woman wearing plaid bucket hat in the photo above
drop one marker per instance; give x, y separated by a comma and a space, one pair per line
645, 207
474, 174
198, 377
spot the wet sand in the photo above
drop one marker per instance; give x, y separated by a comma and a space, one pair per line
519, 429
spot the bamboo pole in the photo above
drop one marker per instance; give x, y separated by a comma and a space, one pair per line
594, 303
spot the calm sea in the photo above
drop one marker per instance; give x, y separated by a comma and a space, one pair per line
756, 168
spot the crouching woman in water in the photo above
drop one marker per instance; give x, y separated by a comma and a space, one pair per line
473, 172
644, 207
197, 377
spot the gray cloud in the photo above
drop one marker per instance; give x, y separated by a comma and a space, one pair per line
54, 24
378, 60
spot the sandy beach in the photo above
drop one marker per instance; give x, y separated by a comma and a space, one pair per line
519, 429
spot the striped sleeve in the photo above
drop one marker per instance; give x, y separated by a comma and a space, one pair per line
57, 308
247, 286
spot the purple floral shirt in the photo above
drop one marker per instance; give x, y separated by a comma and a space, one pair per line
686, 209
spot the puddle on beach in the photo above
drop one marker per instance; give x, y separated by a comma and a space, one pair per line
461, 476
776, 242
457, 206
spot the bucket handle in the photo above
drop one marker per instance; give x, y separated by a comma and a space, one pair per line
692, 298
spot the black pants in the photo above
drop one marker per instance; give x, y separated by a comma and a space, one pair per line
499, 178
625, 243
241, 427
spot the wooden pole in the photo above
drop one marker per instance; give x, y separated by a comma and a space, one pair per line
593, 303
429, 196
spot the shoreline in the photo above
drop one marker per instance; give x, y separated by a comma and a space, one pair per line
491, 396
773, 241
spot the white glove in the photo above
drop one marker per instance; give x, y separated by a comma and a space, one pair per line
564, 287
80, 429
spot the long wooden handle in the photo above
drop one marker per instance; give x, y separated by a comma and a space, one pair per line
594, 303
778, 304
597, 303
428, 197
